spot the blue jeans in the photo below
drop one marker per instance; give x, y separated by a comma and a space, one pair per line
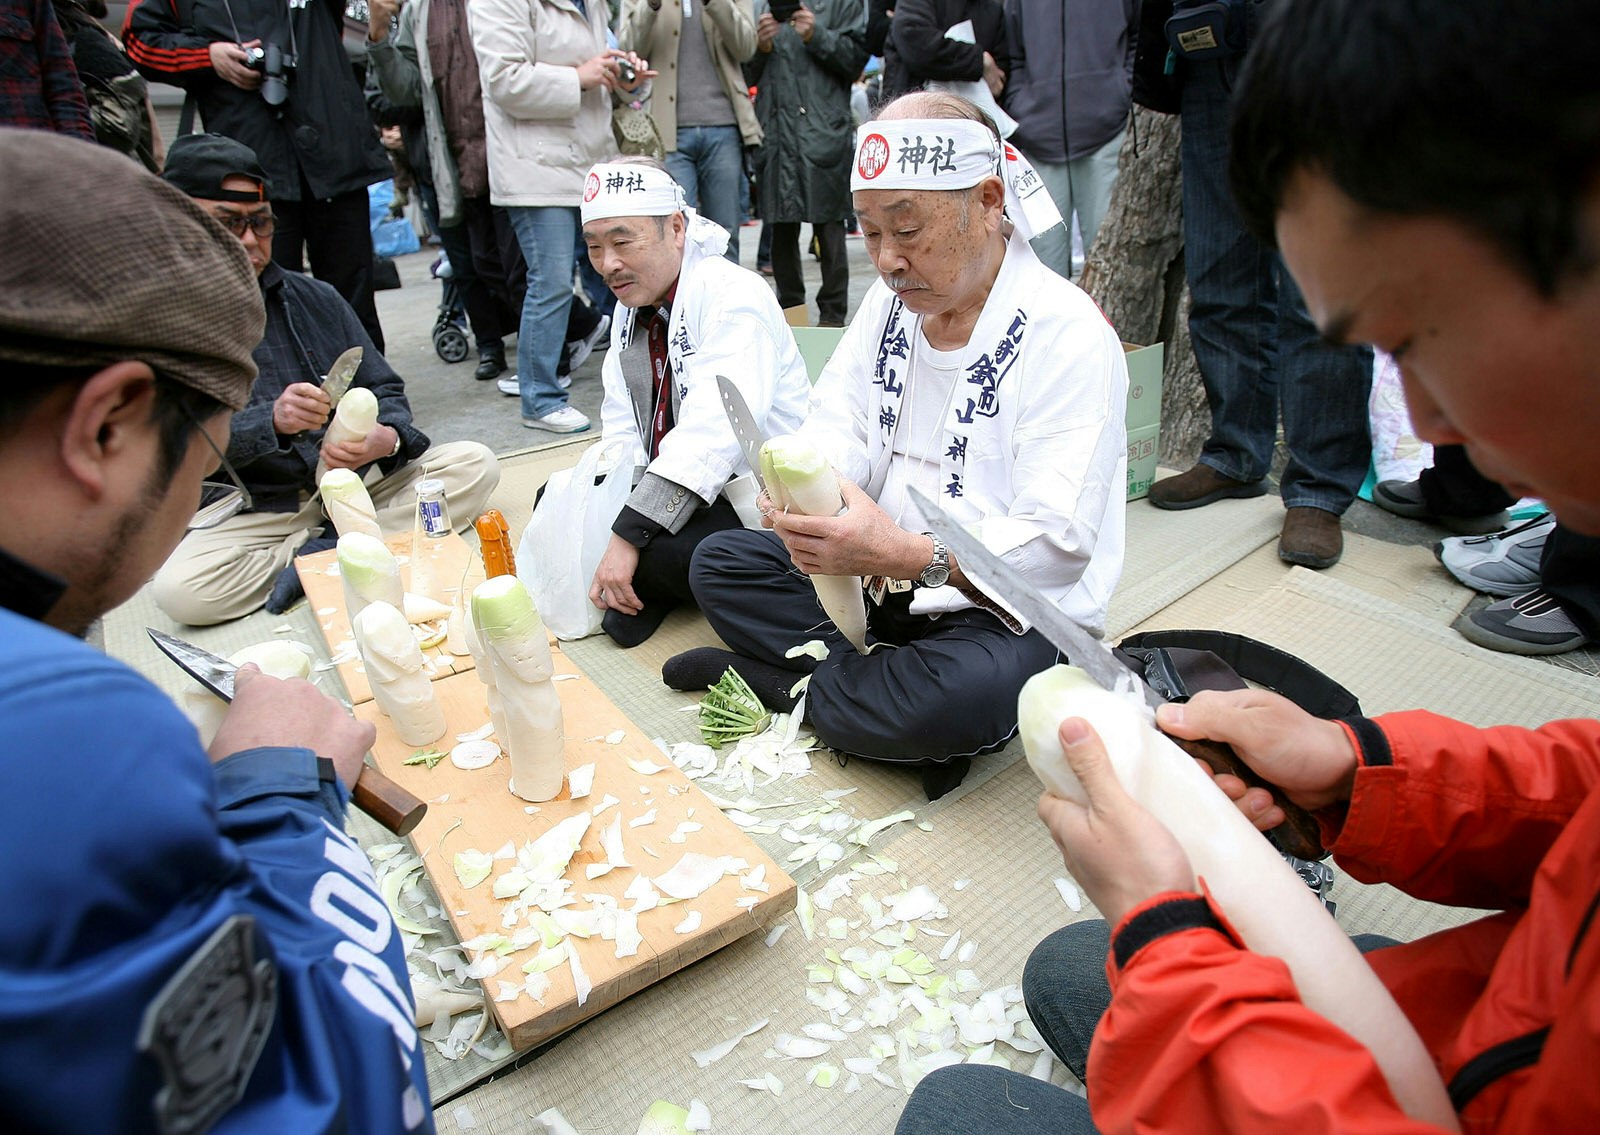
709, 163
547, 234
1065, 990
1258, 351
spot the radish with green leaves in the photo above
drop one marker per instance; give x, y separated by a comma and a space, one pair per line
513, 639
799, 479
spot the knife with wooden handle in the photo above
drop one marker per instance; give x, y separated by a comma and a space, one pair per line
375, 794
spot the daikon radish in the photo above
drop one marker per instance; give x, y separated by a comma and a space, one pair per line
1272, 909
800, 480
484, 669
348, 504
513, 639
397, 673
370, 574
353, 419
275, 658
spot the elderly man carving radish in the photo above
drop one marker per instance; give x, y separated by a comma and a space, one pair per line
978, 376
689, 315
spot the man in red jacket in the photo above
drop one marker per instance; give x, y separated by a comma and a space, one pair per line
1437, 195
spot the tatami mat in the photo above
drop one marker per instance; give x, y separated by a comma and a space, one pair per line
1379, 622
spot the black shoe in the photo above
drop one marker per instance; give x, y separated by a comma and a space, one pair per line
1404, 498
286, 590
939, 778
702, 667
491, 364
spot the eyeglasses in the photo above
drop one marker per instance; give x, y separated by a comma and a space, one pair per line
219, 500
261, 224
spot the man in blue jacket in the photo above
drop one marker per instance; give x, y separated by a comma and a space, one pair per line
191, 942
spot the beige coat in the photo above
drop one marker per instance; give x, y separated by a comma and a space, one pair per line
543, 132
730, 31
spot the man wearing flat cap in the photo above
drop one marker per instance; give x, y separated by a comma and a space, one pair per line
201, 912
688, 315
276, 441
978, 377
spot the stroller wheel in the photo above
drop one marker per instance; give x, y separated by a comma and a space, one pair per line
451, 343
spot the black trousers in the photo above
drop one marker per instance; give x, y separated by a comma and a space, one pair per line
661, 581
336, 236
833, 297
497, 262
939, 687
1570, 567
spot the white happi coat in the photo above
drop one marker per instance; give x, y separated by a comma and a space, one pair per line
1035, 441
725, 320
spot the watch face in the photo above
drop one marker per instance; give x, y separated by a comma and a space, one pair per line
935, 576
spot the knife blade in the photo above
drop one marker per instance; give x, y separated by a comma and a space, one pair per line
1299, 835
375, 794
749, 434
341, 374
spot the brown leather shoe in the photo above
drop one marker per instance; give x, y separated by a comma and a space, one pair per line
1201, 485
1311, 538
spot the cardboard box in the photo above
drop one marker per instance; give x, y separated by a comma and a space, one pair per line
1144, 415
1142, 445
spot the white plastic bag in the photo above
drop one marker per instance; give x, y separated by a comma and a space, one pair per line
562, 545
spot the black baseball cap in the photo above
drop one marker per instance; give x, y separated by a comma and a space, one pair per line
199, 163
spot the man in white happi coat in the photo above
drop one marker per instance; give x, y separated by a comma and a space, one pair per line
688, 315
976, 375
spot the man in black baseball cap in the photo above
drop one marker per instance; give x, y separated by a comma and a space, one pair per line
230, 569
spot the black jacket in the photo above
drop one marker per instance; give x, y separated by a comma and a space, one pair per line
917, 50
322, 133
308, 326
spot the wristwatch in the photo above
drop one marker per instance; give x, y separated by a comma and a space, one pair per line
937, 573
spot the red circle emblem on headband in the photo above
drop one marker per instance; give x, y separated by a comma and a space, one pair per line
591, 188
874, 157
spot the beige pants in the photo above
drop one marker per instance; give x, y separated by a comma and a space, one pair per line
228, 571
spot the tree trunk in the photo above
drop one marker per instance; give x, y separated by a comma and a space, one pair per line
1135, 273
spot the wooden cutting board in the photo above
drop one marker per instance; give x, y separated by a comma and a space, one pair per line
476, 810
454, 560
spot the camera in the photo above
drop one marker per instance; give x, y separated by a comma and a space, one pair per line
275, 66
625, 72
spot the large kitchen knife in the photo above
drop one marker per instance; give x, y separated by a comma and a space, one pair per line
374, 793
745, 427
341, 374
1299, 834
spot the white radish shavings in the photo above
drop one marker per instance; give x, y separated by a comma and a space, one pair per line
483, 731
709, 1056
767, 1083
690, 923
470, 755
580, 780
606, 801
1069, 894
643, 820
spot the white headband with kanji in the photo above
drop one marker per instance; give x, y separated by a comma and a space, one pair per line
616, 189
949, 154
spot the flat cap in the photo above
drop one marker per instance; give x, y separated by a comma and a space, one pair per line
105, 262
198, 164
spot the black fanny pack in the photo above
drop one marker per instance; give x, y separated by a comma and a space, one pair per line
1212, 29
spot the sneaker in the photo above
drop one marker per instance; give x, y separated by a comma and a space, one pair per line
1404, 498
1534, 623
579, 350
566, 420
1505, 563
510, 387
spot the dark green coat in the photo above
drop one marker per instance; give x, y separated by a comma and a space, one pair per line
803, 101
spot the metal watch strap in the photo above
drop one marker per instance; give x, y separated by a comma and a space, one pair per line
937, 573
